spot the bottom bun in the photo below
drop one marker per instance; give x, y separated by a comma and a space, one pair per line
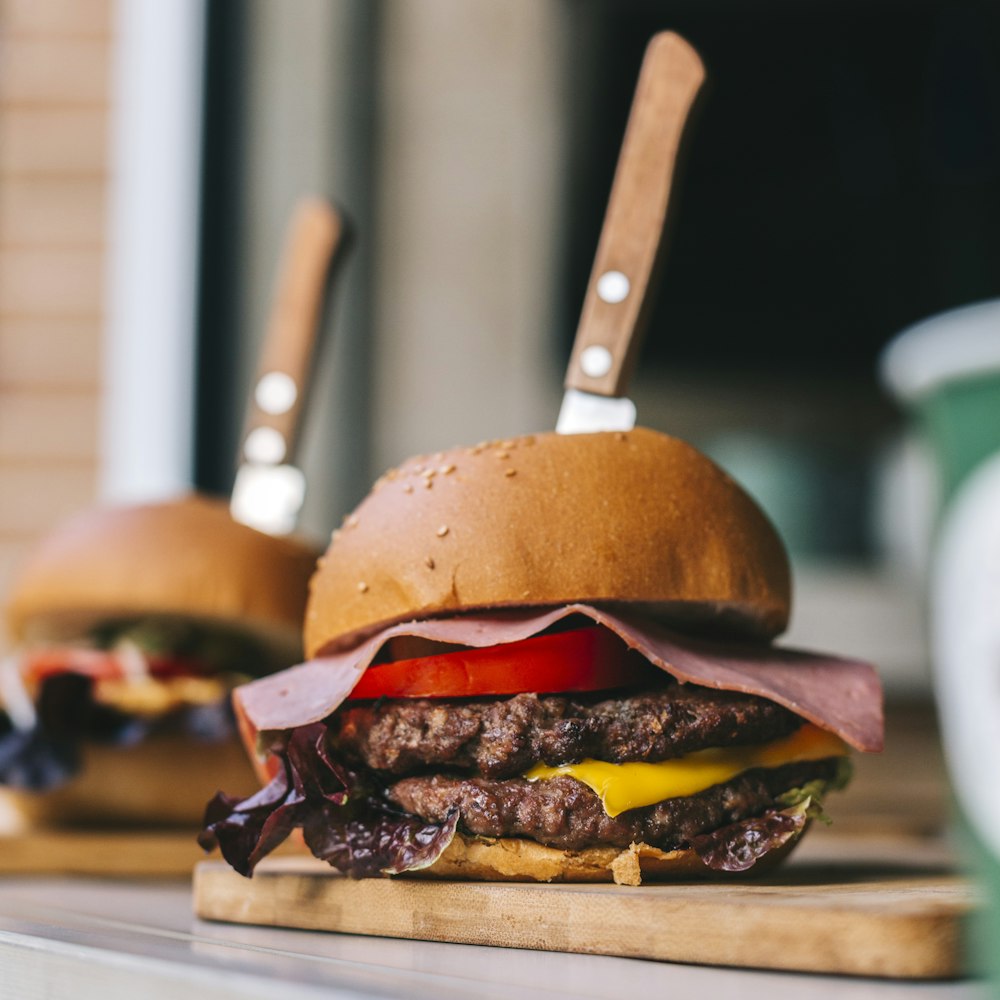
162, 781
483, 859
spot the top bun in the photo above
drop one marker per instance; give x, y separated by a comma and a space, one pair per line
184, 557
634, 518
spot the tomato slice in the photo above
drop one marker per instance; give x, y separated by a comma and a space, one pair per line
100, 664
585, 659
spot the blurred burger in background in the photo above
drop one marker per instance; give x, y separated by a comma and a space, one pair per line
131, 627
549, 658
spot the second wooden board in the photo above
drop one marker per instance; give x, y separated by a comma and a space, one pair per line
111, 853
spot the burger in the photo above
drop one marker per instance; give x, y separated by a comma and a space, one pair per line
549, 659
131, 627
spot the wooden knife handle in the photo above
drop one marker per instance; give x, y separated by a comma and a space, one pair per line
615, 307
282, 381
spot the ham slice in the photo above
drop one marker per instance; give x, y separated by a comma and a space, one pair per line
839, 695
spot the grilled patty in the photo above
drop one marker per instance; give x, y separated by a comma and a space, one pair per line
562, 812
501, 738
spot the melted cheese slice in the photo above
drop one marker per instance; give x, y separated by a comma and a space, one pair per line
629, 786
149, 696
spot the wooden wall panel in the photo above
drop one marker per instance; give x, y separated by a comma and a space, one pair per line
56, 18
38, 494
50, 282
44, 71
52, 211
54, 142
58, 427
54, 114
46, 352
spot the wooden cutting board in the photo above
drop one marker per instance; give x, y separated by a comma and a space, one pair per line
116, 853
112, 853
852, 915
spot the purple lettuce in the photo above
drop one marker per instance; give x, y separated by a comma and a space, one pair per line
344, 821
739, 846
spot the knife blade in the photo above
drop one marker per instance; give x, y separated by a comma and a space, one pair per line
269, 488
617, 300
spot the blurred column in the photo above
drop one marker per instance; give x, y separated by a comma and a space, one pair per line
149, 349
471, 140
309, 130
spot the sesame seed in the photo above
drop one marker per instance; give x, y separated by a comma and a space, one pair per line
429, 562
418, 469
429, 473
508, 444
363, 587
510, 472
446, 470
442, 531
408, 488
352, 521
621, 436
428, 483
503, 454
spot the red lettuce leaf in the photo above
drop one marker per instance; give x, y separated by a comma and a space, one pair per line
381, 843
739, 846
344, 821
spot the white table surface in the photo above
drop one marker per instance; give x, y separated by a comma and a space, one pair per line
84, 938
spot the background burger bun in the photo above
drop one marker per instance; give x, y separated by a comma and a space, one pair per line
162, 781
185, 557
636, 518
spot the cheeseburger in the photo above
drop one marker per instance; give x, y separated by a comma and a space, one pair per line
132, 626
549, 659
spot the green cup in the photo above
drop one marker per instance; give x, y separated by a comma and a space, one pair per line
946, 371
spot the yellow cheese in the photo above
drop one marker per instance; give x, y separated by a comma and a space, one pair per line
150, 696
629, 786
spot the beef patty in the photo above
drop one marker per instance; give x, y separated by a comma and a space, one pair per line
562, 812
501, 738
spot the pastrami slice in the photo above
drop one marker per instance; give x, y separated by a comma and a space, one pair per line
840, 695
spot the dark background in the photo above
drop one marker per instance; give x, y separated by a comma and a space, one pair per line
841, 176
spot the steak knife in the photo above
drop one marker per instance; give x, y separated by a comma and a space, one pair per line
269, 489
617, 300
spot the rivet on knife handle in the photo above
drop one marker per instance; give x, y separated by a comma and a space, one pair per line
272, 426
616, 303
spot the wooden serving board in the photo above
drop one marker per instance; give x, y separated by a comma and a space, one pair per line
115, 853
885, 918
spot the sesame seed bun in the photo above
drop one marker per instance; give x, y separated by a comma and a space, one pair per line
630, 519
186, 557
